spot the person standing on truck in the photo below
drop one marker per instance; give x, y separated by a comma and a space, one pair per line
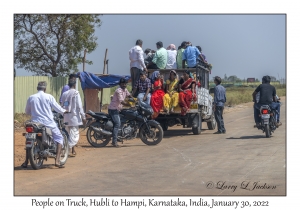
218, 105
148, 59
160, 56
137, 65
171, 60
142, 87
179, 55
190, 56
171, 98
186, 92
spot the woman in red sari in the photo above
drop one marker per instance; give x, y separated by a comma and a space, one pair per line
156, 101
186, 92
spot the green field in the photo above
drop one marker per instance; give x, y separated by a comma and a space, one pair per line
238, 95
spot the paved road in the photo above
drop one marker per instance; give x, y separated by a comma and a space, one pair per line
182, 164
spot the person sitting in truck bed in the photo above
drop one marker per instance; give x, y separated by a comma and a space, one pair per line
172, 96
143, 86
156, 101
186, 92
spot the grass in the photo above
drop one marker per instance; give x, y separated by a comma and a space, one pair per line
238, 95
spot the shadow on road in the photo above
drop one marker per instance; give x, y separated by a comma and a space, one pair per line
182, 133
249, 137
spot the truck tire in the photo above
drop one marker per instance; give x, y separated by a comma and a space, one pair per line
212, 124
197, 130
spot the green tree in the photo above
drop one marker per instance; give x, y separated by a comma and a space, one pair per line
53, 44
232, 78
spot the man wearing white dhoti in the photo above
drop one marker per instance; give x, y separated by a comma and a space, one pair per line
40, 106
71, 101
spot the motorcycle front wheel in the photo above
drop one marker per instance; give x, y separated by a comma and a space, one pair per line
36, 160
64, 151
154, 136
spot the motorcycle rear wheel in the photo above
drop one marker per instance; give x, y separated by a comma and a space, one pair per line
267, 131
95, 139
154, 137
36, 160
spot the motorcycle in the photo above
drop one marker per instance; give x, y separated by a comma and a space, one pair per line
268, 120
133, 121
40, 144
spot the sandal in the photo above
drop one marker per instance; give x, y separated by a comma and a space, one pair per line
24, 165
59, 166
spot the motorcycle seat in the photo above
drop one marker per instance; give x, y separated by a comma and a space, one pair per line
101, 113
36, 125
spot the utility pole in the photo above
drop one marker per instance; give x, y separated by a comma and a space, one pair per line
107, 65
105, 62
83, 69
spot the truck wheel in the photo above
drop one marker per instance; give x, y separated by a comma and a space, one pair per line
212, 124
197, 130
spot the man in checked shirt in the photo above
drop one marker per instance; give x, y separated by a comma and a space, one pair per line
143, 86
116, 104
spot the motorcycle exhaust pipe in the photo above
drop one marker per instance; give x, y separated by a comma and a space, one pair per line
103, 132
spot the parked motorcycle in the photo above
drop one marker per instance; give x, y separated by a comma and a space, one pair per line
268, 120
40, 143
133, 121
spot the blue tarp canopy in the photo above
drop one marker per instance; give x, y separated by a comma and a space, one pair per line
91, 81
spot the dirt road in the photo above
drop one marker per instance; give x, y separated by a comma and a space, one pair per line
240, 162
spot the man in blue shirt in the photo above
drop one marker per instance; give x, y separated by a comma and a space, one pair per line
218, 107
190, 56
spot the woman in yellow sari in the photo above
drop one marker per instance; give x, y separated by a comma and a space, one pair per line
172, 96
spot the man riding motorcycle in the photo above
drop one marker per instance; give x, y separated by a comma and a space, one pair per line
39, 106
267, 96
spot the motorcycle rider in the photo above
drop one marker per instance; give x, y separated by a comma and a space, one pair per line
267, 94
39, 106
116, 104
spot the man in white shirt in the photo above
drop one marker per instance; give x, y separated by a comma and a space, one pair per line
136, 57
71, 101
40, 106
171, 59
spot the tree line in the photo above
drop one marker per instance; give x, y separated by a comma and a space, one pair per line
235, 79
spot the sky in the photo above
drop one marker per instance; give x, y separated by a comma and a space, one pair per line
242, 45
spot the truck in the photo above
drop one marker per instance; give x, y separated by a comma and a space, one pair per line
200, 110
